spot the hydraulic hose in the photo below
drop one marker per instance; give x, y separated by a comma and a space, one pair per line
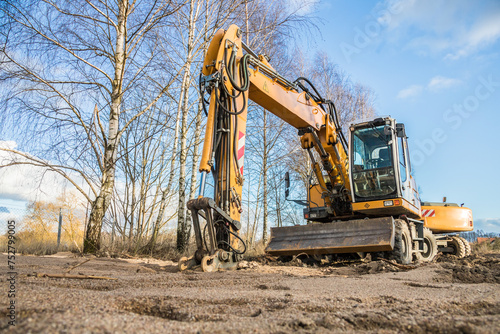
236, 251
217, 98
318, 97
243, 70
332, 110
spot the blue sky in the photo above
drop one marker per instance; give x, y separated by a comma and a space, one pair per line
435, 66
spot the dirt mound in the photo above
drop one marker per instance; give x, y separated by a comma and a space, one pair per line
380, 266
337, 265
476, 268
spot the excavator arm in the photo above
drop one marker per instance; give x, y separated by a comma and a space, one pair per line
230, 78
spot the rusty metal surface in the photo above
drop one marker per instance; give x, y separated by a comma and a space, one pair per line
361, 235
205, 203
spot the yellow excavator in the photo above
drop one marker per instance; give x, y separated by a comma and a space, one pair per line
362, 197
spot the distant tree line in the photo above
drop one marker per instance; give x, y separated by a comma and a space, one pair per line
473, 235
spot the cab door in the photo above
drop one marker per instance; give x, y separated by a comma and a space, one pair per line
409, 190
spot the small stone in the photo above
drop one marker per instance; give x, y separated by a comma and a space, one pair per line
305, 323
243, 265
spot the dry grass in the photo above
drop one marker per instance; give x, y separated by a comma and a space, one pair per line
25, 244
486, 247
164, 249
256, 250
36, 231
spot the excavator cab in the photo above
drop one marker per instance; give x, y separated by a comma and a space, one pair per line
380, 170
382, 191
380, 175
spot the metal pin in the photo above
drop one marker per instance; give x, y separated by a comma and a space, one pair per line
202, 184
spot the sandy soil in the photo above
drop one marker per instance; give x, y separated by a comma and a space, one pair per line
448, 296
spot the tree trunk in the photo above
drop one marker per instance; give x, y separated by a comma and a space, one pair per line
92, 242
166, 191
183, 231
277, 199
181, 212
197, 131
264, 177
132, 216
196, 154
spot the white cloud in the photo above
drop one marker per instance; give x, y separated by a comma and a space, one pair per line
302, 7
485, 31
482, 34
454, 29
8, 144
487, 224
410, 92
27, 182
439, 83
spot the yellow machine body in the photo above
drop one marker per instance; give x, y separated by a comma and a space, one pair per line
447, 217
361, 189
387, 207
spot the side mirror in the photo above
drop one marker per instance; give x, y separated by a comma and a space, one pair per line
287, 184
400, 130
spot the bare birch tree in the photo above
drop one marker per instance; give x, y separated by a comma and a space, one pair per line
64, 57
194, 42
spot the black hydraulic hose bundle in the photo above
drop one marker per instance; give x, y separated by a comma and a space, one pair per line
243, 70
227, 230
225, 108
202, 90
225, 95
336, 122
221, 92
230, 71
316, 98
332, 110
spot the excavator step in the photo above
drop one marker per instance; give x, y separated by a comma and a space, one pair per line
361, 235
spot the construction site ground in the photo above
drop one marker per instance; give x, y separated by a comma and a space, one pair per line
150, 296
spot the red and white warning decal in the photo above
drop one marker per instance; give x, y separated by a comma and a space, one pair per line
241, 150
470, 218
428, 213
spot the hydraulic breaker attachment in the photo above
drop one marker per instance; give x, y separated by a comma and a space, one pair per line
361, 235
213, 242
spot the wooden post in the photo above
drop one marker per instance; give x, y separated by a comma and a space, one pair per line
59, 229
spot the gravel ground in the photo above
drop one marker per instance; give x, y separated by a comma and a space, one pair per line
150, 296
